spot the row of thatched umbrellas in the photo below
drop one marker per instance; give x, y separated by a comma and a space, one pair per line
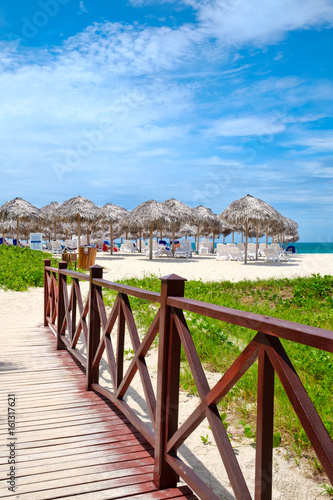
248, 214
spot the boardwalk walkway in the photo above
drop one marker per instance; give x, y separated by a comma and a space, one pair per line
70, 443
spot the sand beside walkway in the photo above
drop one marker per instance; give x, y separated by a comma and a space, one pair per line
207, 268
291, 482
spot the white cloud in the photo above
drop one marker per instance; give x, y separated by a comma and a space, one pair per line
246, 126
319, 141
142, 3
83, 8
260, 21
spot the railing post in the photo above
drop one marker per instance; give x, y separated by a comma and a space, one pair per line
264, 438
94, 327
47, 263
61, 304
167, 394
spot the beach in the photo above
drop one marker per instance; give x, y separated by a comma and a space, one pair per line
291, 481
208, 268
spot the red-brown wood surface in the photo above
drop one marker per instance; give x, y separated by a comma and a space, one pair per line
164, 438
70, 443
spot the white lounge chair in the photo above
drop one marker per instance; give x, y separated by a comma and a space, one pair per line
129, 247
205, 246
274, 256
262, 247
143, 246
164, 250
155, 249
56, 246
184, 249
235, 253
251, 251
222, 252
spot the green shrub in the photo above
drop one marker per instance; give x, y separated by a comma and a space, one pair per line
21, 268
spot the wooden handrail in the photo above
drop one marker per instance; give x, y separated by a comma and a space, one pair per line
128, 290
288, 330
96, 326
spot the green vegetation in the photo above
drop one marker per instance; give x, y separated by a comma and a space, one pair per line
302, 300
21, 268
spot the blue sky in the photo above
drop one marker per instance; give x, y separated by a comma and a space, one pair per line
205, 101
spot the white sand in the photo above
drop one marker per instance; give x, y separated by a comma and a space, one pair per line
207, 268
292, 482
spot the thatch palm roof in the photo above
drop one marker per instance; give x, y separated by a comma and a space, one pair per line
50, 215
250, 211
19, 209
187, 230
149, 216
206, 221
204, 216
183, 212
50, 211
112, 214
78, 208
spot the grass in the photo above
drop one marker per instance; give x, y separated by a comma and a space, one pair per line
22, 268
302, 300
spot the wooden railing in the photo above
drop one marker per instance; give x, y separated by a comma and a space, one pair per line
60, 314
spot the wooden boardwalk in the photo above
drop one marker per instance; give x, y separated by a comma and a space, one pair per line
70, 443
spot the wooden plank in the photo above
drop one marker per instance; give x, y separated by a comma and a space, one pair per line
101, 490
108, 455
183, 492
82, 462
72, 484
36, 454
83, 471
74, 441
70, 443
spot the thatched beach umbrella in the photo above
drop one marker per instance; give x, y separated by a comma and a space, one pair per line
50, 214
206, 221
187, 230
149, 216
113, 214
19, 209
79, 209
251, 211
7, 227
184, 214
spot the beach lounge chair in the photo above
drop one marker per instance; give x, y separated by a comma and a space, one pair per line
241, 246
100, 245
129, 247
262, 247
222, 252
143, 246
235, 253
155, 249
251, 251
164, 250
274, 256
271, 255
70, 245
205, 246
56, 246
184, 250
